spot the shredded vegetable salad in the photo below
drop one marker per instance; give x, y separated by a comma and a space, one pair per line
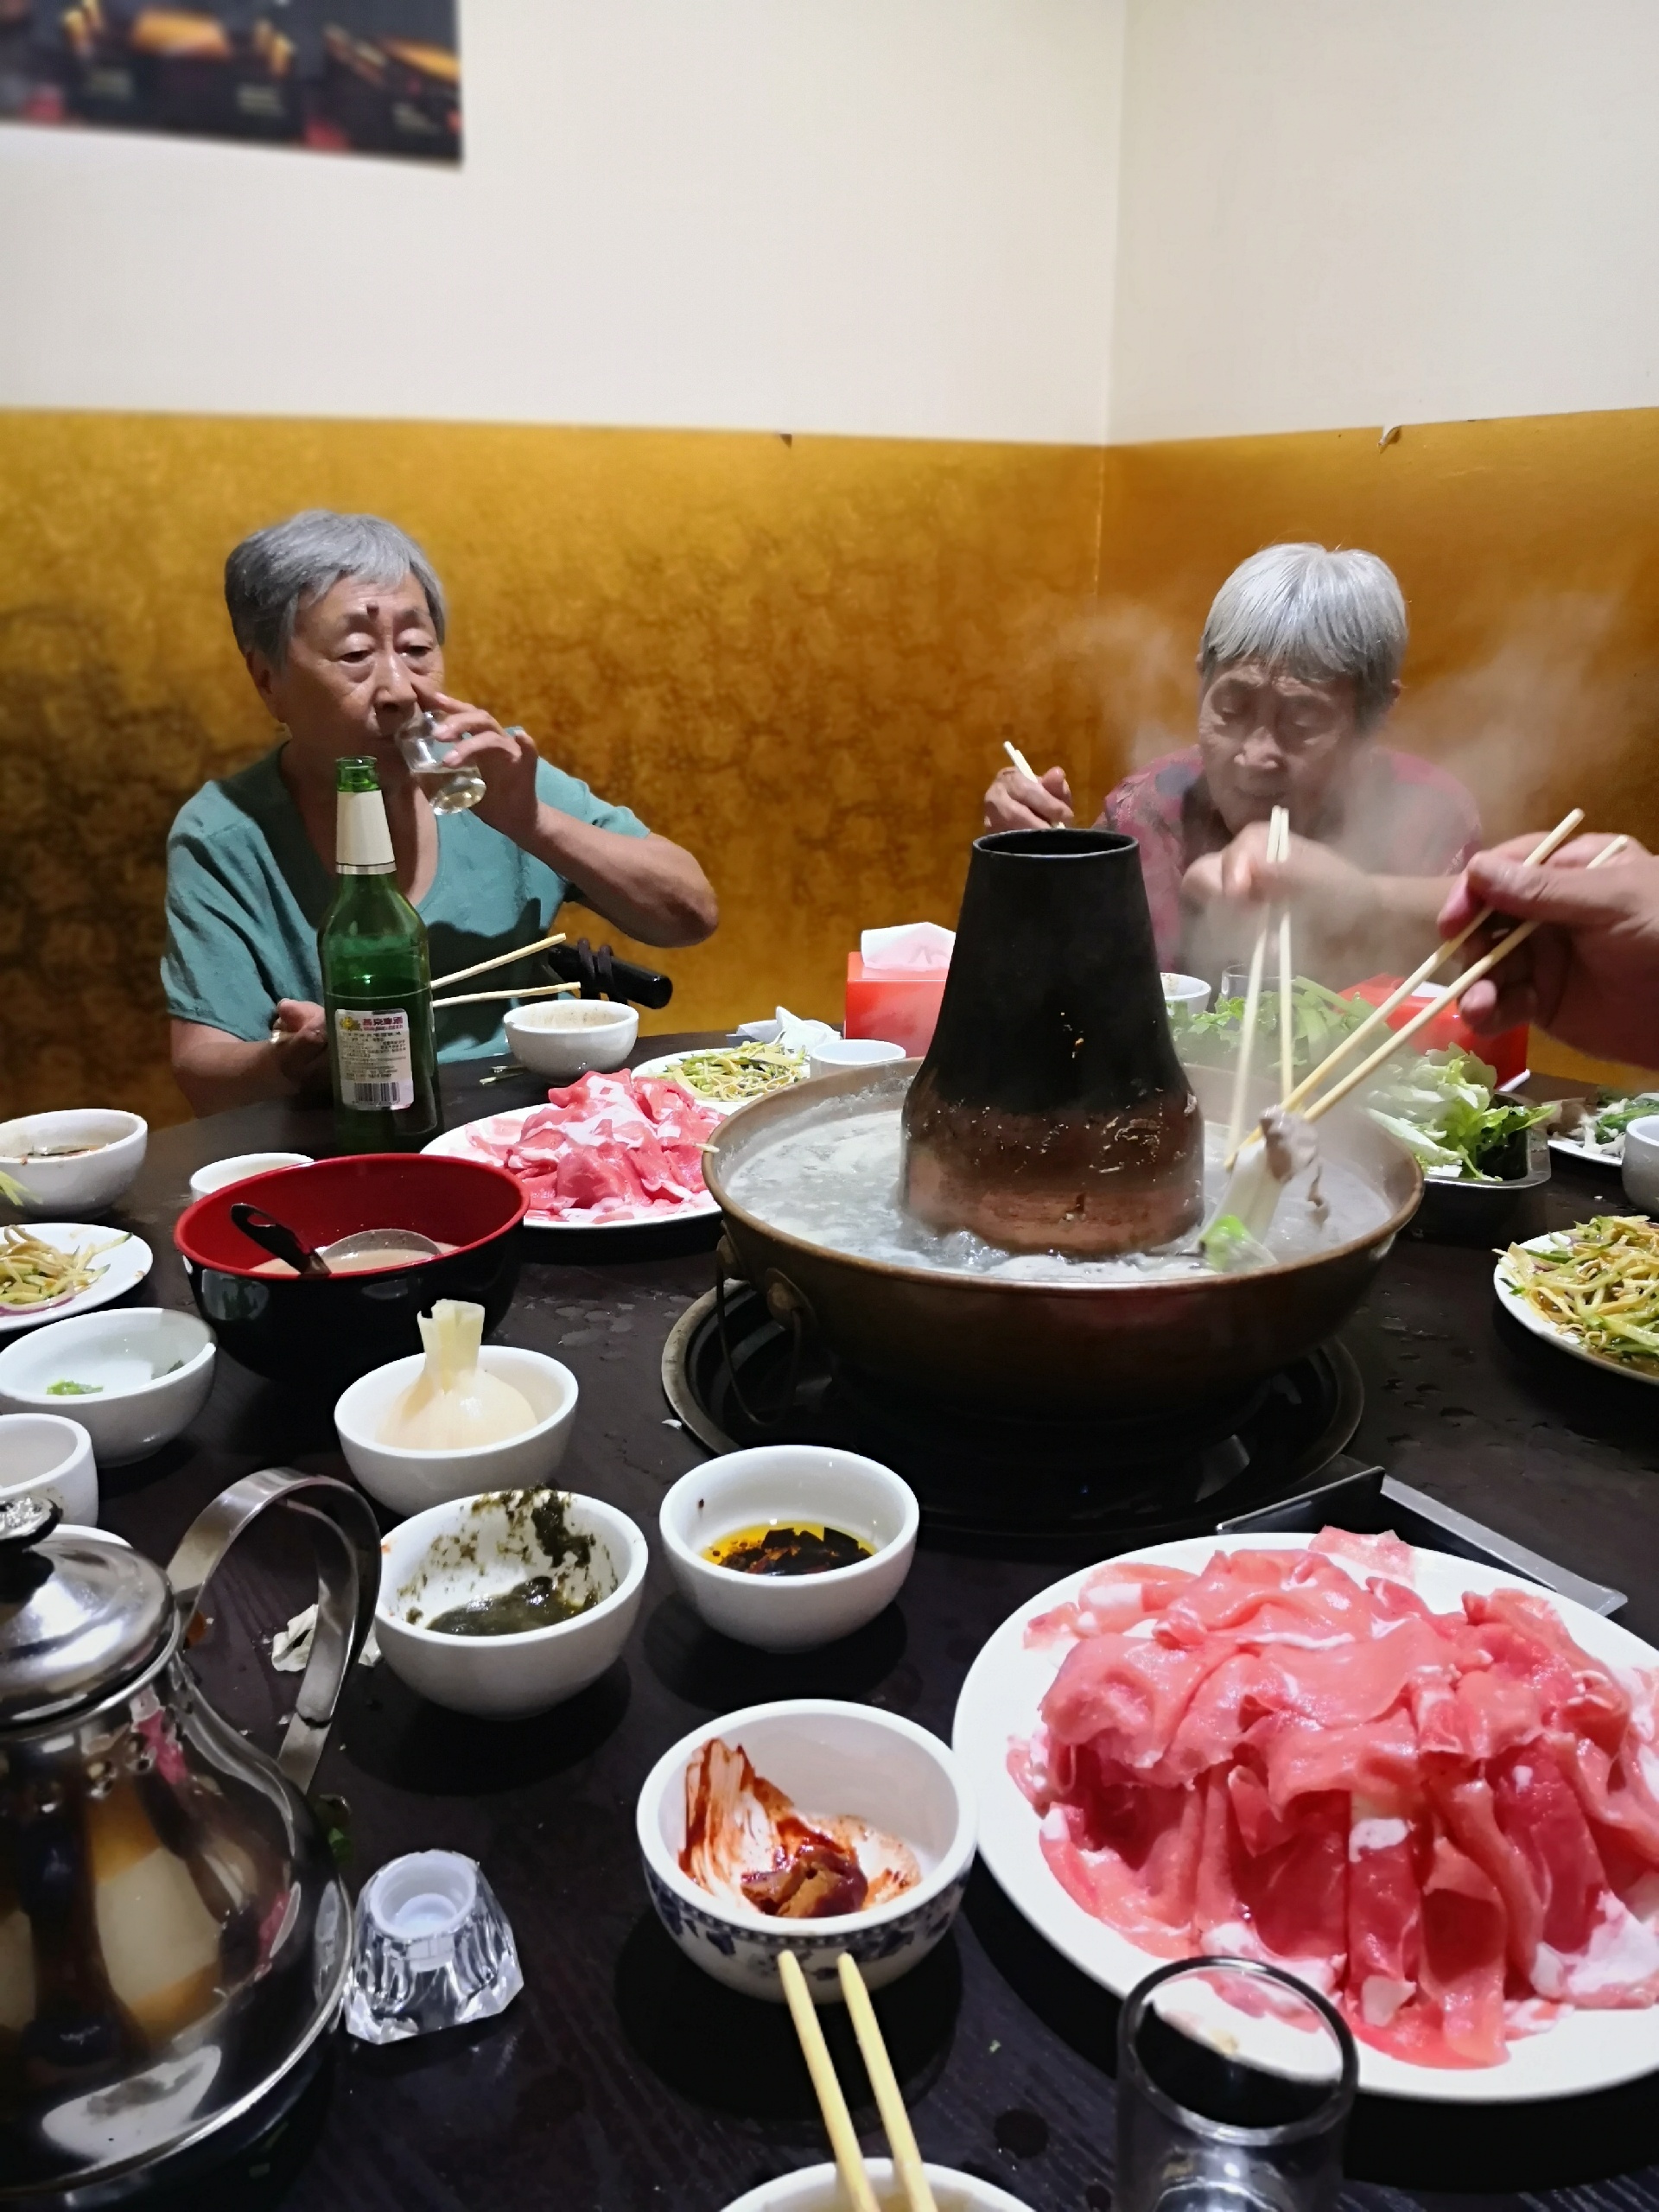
34, 1273
1600, 1285
739, 1072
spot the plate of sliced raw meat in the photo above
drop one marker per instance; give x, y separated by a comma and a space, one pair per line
1428, 1789
610, 1152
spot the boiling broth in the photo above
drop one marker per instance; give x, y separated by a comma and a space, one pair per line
832, 1179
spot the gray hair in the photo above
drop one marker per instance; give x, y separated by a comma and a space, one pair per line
272, 573
1319, 615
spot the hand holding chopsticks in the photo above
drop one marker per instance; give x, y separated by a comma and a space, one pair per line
500, 960
837, 2120
1501, 951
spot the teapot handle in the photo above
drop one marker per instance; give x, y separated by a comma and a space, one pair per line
349, 1583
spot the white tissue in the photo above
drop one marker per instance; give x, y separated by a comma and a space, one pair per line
912, 949
793, 1031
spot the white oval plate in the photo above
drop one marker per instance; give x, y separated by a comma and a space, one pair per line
128, 1262
999, 1703
1588, 1155
668, 1061
456, 1144
1527, 1315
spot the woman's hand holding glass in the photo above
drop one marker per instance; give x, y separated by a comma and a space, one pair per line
505, 759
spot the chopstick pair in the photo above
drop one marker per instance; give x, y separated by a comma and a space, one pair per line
1278, 853
837, 2120
500, 960
1453, 994
477, 998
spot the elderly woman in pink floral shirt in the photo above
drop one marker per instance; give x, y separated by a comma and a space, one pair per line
1298, 666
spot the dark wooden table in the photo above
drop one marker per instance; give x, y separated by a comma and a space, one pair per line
622, 2078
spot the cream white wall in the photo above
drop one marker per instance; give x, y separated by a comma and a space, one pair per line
1338, 211
884, 216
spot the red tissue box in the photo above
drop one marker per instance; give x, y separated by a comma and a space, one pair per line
902, 1009
1507, 1052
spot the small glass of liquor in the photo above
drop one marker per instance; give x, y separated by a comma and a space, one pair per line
426, 755
1234, 2081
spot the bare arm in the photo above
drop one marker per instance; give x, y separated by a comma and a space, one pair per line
216, 1071
649, 886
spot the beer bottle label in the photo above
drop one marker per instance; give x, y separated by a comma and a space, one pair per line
375, 1067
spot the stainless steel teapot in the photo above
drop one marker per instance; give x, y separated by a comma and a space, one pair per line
175, 1937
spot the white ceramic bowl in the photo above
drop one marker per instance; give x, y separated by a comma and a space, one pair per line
566, 1038
1639, 1166
219, 1173
48, 1455
87, 1182
1190, 991
817, 2188
409, 1481
475, 1548
149, 1368
776, 1482
835, 1055
829, 1758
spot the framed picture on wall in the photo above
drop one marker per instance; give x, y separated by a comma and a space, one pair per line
337, 76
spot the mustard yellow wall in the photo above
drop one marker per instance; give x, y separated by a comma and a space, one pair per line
798, 660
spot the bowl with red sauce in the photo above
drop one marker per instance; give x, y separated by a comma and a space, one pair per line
330, 1331
810, 1826
789, 1546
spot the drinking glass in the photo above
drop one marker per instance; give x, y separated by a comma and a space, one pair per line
448, 790
1234, 2081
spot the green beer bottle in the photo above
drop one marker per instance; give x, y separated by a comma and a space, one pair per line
376, 983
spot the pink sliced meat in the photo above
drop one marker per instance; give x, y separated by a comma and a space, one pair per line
605, 1149
1449, 1821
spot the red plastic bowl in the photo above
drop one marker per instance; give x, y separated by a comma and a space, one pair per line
331, 1332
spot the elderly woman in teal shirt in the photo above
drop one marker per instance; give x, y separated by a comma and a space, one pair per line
340, 620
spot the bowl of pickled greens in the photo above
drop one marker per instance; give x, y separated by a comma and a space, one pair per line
504, 1604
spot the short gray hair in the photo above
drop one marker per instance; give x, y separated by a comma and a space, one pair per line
272, 573
1319, 615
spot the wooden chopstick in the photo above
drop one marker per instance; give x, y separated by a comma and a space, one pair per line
535, 991
1286, 1026
1278, 839
901, 2137
501, 960
1377, 1018
837, 2120
1020, 760
1470, 976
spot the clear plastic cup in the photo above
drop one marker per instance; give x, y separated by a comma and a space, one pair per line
1234, 2081
433, 1949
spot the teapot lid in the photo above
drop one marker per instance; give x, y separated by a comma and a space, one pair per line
78, 1612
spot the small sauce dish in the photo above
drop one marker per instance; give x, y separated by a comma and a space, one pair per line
407, 1479
828, 1758
799, 1485
133, 1378
1639, 1166
46, 1455
817, 2188
565, 1039
473, 1550
220, 1174
72, 1164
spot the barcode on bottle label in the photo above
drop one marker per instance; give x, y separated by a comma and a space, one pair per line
376, 1071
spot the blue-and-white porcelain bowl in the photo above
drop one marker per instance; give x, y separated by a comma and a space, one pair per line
829, 1757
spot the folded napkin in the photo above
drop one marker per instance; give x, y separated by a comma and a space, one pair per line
793, 1031
912, 949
